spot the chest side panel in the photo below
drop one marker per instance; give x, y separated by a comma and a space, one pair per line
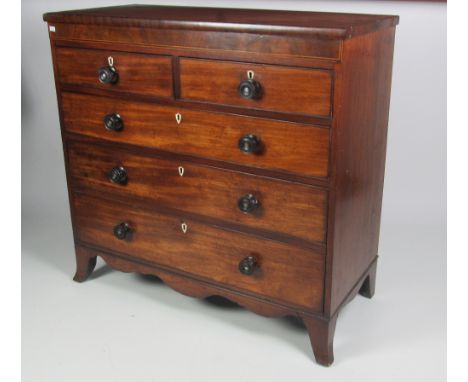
359, 136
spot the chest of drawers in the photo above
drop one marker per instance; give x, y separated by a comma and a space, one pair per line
238, 153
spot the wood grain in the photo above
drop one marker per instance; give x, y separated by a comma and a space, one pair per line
203, 134
204, 251
138, 73
322, 120
73, 40
319, 24
359, 137
291, 90
202, 190
188, 284
201, 106
250, 43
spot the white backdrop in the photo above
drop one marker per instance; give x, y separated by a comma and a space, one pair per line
413, 218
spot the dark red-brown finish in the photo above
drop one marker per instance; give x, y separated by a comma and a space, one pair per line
205, 252
202, 190
242, 45
137, 73
360, 132
305, 150
326, 25
271, 200
300, 91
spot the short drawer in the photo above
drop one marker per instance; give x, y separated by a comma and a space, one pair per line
134, 73
280, 89
276, 207
279, 271
284, 146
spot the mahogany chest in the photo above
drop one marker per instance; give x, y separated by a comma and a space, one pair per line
229, 152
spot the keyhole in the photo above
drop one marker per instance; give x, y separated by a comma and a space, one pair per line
250, 74
110, 60
184, 227
181, 170
178, 118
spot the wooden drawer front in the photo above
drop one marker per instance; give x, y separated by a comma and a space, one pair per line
137, 73
287, 208
284, 272
290, 90
246, 45
286, 146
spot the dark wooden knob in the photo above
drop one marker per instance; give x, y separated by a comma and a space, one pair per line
113, 122
108, 75
248, 265
250, 89
118, 175
248, 203
121, 230
249, 144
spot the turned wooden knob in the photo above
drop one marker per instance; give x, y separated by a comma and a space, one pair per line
250, 89
118, 175
113, 122
248, 203
249, 144
248, 265
121, 230
108, 75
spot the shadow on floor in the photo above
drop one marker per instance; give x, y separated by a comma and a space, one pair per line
215, 301
51, 242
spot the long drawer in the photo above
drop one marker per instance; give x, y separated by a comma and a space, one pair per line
284, 146
256, 202
290, 90
277, 271
136, 73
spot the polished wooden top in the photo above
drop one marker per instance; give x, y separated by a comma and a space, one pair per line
325, 25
